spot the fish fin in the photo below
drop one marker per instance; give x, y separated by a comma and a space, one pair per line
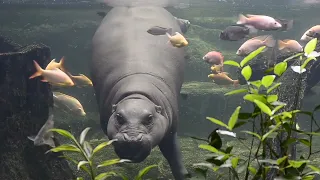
236, 83
226, 73
44, 80
62, 64
50, 142
51, 62
252, 30
289, 25
281, 45
270, 41
38, 72
262, 37
242, 19
169, 35
32, 138
253, 15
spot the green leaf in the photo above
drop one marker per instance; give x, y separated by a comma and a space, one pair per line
280, 68
310, 46
297, 164
316, 108
87, 148
238, 91
270, 161
144, 172
252, 97
102, 145
104, 176
264, 108
252, 170
314, 168
277, 109
81, 163
252, 133
232, 63
273, 87
234, 162
64, 133
305, 63
271, 131
76, 163
233, 119
80, 178
216, 121
211, 149
257, 83
251, 56
305, 142
112, 162
280, 160
65, 147
272, 98
83, 135
292, 57
246, 72
268, 80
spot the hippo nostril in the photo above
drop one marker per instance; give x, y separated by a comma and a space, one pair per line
139, 137
125, 136
132, 138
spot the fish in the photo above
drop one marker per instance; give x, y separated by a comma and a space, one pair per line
213, 57
255, 43
259, 22
217, 69
53, 65
158, 30
314, 35
177, 40
286, 24
237, 32
223, 79
308, 35
81, 80
289, 45
54, 77
184, 24
44, 137
68, 104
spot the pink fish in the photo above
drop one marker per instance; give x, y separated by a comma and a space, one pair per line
255, 43
309, 34
289, 45
260, 22
54, 77
213, 57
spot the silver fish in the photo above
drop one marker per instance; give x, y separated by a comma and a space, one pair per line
44, 137
157, 30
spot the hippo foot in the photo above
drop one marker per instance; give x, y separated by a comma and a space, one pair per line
171, 151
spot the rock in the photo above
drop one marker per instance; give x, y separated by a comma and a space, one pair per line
24, 109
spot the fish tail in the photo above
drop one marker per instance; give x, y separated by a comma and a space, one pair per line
62, 64
242, 19
169, 35
281, 45
236, 83
38, 72
270, 41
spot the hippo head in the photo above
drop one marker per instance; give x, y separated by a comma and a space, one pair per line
138, 126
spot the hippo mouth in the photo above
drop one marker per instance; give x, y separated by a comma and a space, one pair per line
135, 148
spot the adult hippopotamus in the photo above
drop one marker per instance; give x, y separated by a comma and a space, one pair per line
137, 78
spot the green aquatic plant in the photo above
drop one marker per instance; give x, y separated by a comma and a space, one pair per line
274, 122
87, 152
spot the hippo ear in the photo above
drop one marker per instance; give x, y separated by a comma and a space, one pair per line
158, 109
114, 107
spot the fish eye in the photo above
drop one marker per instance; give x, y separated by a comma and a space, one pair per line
120, 118
148, 120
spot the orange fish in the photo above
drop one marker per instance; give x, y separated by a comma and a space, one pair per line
80, 80
53, 65
213, 57
177, 40
223, 79
289, 45
54, 77
255, 43
68, 103
217, 69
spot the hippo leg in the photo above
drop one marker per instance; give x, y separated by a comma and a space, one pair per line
171, 151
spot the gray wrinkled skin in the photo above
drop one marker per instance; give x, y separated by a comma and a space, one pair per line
137, 78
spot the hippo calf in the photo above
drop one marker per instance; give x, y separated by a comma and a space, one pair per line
137, 78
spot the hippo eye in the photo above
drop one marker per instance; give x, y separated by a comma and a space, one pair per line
120, 118
148, 120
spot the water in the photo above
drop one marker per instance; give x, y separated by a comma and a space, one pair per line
67, 27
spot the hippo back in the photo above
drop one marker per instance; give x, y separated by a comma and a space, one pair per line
122, 47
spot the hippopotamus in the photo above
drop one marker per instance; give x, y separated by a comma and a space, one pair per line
137, 78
